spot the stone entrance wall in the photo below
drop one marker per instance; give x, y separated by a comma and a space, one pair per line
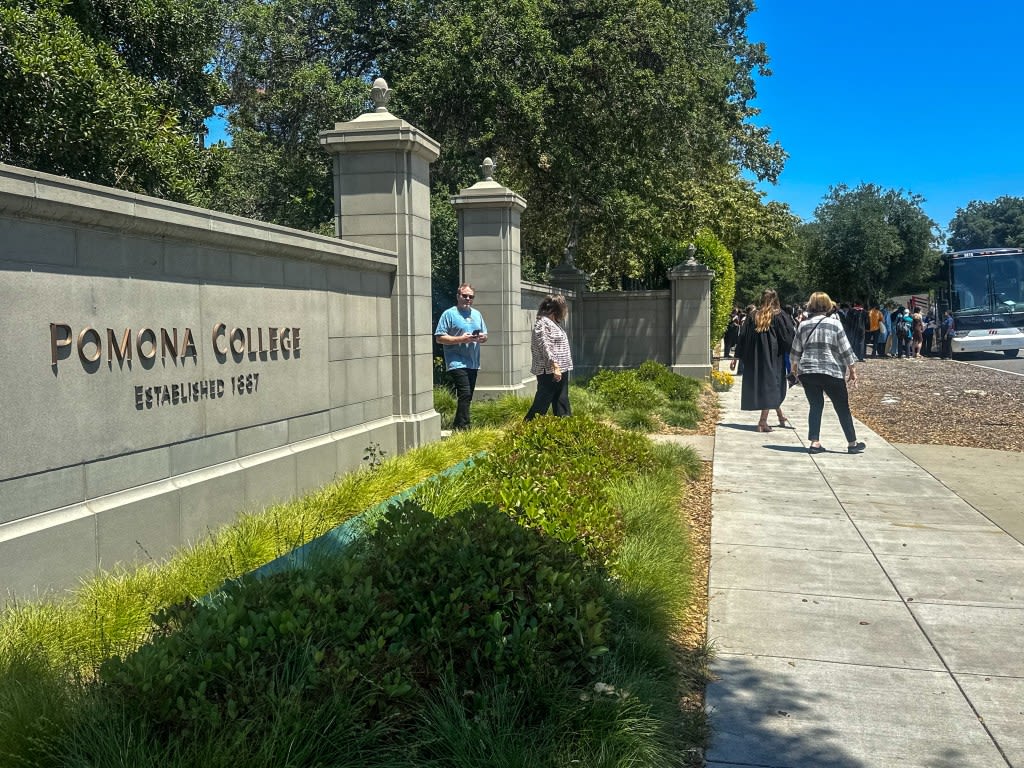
166, 367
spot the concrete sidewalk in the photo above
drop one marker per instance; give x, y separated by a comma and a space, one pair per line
861, 611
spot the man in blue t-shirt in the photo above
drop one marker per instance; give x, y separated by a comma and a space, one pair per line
460, 331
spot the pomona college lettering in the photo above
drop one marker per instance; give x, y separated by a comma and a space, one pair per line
171, 344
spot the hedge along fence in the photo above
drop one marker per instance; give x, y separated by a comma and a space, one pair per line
713, 254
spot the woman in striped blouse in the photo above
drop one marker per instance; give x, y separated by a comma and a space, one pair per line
824, 361
552, 359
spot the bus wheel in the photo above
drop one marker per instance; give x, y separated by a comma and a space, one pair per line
1011, 352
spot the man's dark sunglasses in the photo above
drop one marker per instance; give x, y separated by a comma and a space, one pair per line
467, 296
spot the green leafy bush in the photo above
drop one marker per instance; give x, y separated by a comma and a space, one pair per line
552, 473
626, 390
674, 387
473, 597
486, 598
261, 643
713, 254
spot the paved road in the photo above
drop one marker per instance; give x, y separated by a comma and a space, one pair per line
996, 360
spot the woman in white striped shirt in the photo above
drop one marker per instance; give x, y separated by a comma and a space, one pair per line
552, 359
823, 360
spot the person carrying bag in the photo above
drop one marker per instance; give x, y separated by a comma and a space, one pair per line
823, 360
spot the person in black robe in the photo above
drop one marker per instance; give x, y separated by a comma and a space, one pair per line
765, 338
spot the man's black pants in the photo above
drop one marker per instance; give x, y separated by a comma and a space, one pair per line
465, 385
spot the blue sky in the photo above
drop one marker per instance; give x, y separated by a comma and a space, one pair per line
921, 95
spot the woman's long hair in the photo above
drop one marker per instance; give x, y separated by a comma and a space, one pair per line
769, 309
554, 307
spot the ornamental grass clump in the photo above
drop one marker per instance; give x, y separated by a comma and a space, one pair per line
500, 412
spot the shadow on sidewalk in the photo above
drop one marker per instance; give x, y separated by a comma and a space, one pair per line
770, 719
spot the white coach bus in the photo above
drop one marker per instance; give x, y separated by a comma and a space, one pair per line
986, 296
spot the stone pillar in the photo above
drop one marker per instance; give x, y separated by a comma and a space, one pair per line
489, 216
574, 283
382, 199
691, 319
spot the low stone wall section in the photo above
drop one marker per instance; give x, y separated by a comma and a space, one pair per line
167, 367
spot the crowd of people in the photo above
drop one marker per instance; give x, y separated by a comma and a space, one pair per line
818, 346
880, 332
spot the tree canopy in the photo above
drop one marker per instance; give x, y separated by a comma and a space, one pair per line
110, 92
995, 224
868, 243
626, 124
780, 266
623, 122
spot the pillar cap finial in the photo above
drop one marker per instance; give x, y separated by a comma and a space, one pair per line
487, 169
381, 94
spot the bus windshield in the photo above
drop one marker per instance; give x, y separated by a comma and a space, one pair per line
987, 284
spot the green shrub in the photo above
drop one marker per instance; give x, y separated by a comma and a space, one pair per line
486, 598
552, 472
473, 597
675, 387
259, 644
713, 254
625, 390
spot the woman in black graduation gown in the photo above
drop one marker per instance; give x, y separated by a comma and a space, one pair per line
765, 338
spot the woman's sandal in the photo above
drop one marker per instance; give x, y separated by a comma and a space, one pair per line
785, 423
816, 449
762, 426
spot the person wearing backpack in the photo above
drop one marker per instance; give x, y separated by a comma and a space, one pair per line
902, 329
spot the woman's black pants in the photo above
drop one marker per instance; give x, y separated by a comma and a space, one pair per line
816, 386
551, 394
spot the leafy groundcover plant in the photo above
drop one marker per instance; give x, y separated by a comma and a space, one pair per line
516, 614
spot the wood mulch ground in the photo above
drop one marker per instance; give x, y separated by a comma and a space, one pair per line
940, 402
919, 400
